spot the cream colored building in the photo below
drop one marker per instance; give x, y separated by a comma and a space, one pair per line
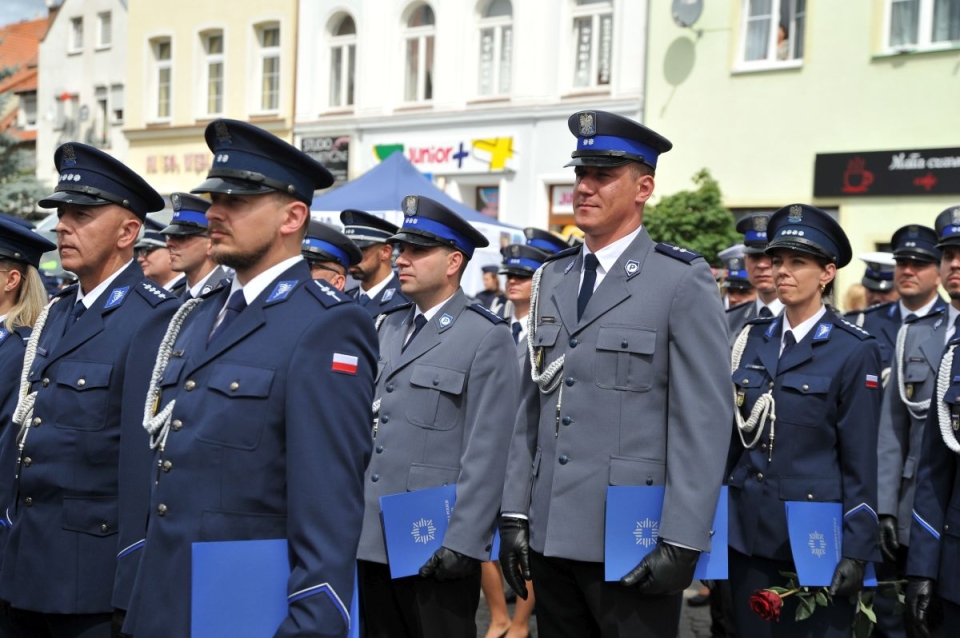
851, 77
233, 60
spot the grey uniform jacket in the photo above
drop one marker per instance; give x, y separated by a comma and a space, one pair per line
901, 426
648, 363
447, 407
738, 316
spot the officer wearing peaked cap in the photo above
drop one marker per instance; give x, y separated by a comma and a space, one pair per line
259, 413
445, 403
82, 461
329, 253
544, 240
520, 262
736, 281
188, 239
819, 375
379, 289
759, 274
878, 277
154, 258
602, 354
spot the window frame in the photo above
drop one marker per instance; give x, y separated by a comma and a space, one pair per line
206, 60
924, 35
27, 98
75, 39
497, 24
261, 54
347, 44
104, 17
158, 65
596, 11
770, 62
421, 34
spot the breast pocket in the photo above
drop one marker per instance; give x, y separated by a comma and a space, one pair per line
952, 399
915, 374
83, 389
804, 399
625, 358
749, 383
436, 396
544, 341
238, 399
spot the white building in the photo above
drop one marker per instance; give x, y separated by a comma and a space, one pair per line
476, 93
82, 73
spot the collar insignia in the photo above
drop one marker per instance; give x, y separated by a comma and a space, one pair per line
117, 295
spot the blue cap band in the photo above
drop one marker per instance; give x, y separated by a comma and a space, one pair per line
949, 231
523, 262
414, 222
879, 275
610, 143
809, 235
193, 217
736, 274
327, 247
756, 236
542, 245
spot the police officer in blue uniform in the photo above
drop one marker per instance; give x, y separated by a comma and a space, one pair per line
759, 274
520, 262
379, 289
83, 460
329, 253
188, 240
154, 258
736, 282
819, 375
259, 410
933, 560
877, 278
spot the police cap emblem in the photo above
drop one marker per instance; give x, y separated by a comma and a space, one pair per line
69, 155
410, 205
175, 201
513, 250
588, 123
955, 216
760, 223
795, 216
223, 133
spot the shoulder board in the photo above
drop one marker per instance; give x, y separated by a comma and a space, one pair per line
69, 290
328, 295
488, 314
935, 314
878, 307
153, 293
739, 306
567, 252
400, 306
756, 320
856, 331
677, 252
24, 332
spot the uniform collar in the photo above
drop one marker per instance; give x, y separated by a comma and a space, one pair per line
259, 283
197, 289
799, 332
923, 311
430, 313
170, 285
608, 255
376, 289
91, 297
775, 306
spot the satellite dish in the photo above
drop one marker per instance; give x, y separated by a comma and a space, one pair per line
687, 12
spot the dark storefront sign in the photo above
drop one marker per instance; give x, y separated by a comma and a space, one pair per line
931, 171
332, 152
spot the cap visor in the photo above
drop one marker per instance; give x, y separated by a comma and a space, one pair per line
794, 244
182, 231
416, 239
751, 250
736, 284
231, 187
71, 197
598, 160
516, 272
917, 255
877, 286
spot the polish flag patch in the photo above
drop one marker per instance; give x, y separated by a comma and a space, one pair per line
346, 363
871, 380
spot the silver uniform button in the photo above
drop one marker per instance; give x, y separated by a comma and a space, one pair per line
189, 385
81, 382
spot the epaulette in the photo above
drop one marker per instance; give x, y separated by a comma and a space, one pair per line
402, 306
327, 295
567, 252
852, 329
488, 314
739, 306
24, 332
153, 293
934, 313
759, 320
682, 254
71, 289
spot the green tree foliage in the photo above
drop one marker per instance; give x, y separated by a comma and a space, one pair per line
694, 219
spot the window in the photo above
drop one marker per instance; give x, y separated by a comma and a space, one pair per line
922, 24
162, 78
104, 30
212, 42
100, 129
268, 38
116, 104
418, 44
76, 34
343, 55
592, 43
496, 48
772, 32
28, 110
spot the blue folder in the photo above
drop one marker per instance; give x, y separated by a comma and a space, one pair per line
816, 540
414, 524
632, 528
239, 589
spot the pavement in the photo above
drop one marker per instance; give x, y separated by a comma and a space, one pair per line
694, 621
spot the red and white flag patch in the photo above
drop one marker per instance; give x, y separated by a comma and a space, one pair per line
344, 363
871, 380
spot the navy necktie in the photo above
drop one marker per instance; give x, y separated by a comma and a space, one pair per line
912, 317
418, 323
789, 341
75, 313
516, 328
235, 306
364, 299
590, 263
766, 312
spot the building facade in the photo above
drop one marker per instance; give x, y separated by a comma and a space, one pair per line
19, 54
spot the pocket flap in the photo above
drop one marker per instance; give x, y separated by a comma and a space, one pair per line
422, 476
171, 373
547, 334
749, 378
809, 488
916, 372
84, 375
634, 340
90, 515
437, 378
953, 394
237, 380
806, 383
633, 471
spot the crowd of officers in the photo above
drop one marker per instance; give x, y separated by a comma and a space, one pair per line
210, 380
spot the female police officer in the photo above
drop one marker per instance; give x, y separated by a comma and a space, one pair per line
806, 387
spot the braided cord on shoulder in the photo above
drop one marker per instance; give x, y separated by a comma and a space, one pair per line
23, 415
918, 409
549, 379
943, 412
763, 410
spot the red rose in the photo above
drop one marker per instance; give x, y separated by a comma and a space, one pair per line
766, 604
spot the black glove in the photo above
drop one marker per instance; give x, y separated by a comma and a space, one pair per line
668, 569
889, 545
116, 624
446, 564
919, 597
515, 553
847, 577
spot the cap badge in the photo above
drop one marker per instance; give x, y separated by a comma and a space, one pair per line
514, 250
760, 223
175, 201
795, 216
588, 123
955, 215
69, 155
410, 205
223, 133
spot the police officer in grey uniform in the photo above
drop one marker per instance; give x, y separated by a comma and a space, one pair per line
759, 274
446, 397
628, 385
519, 263
736, 283
188, 240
